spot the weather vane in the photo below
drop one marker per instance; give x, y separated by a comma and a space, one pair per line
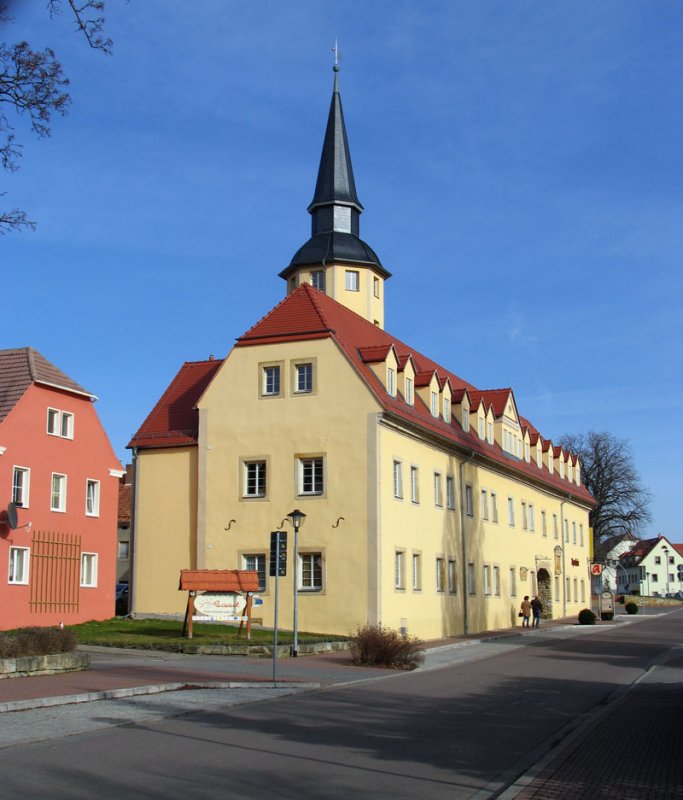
335, 50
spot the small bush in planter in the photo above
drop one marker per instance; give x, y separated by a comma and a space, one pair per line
631, 608
606, 616
36, 642
586, 617
374, 645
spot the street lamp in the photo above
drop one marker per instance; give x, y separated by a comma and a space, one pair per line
297, 519
665, 550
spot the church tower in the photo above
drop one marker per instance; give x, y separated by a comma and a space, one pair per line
335, 259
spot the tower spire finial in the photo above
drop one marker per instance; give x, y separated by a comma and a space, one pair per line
335, 50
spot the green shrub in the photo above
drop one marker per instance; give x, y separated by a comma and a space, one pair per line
36, 642
373, 645
586, 617
606, 616
631, 608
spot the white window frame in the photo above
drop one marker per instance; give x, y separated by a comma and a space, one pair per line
303, 378
496, 580
315, 467
513, 582
440, 574
410, 393
123, 550
489, 432
61, 506
271, 384
435, 404
416, 563
254, 478
25, 562
414, 484
60, 423
352, 280
556, 529
399, 569
452, 576
544, 523
484, 503
511, 512
471, 579
311, 565
89, 581
92, 504
318, 279
573, 532
391, 381
375, 286
494, 507
531, 512
446, 410
465, 420
487, 579
438, 490
21, 490
524, 518
256, 562
398, 479
469, 500
481, 427
450, 492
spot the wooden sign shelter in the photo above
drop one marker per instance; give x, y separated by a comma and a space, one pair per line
238, 581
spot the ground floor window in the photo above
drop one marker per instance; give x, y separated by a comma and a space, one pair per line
89, 569
256, 562
18, 564
399, 569
311, 571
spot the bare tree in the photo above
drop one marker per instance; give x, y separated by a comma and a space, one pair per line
33, 85
609, 473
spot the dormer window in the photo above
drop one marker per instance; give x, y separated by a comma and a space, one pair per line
489, 432
561, 467
481, 427
435, 404
446, 409
551, 466
539, 458
410, 392
578, 475
391, 381
465, 420
527, 453
570, 475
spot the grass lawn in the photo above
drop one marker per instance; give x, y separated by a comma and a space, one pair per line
157, 634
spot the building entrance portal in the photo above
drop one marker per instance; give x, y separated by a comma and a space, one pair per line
545, 593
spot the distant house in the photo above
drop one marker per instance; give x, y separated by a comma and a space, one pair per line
59, 478
609, 553
123, 532
652, 567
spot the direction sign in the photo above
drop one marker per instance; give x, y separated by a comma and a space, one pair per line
278, 553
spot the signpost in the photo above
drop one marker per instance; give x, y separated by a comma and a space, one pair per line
278, 568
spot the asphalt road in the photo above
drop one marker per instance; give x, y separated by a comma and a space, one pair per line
468, 729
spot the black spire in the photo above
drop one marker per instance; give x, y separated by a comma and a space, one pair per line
335, 208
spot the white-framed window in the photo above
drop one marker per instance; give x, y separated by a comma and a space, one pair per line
556, 530
410, 392
92, 498
310, 572
583, 590
471, 579
452, 577
398, 480
318, 279
531, 512
487, 579
415, 484
440, 575
551, 464
446, 410
254, 478
19, 558
60, 423
573, 532
352, 281
484, 502
417, 572
256, 562
469, 500
435, 404
581, 535
511, 512
465, 420
481, 427
21, 484
123, 550
494, 507
513, 582
557, 589
271, 381
576, 592
58, 493
544, 524
496, 580
311, 476
375, 286
566, 531
450, 492
438, 490
89, 570
489, 432
539, 458
400, 569
561, 467
303, 375
391, 381
527, 452
524, 519
570, 476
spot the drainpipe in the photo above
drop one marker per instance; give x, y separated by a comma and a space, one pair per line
132, 548
463, 537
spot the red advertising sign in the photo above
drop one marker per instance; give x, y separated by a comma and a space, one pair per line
596, 569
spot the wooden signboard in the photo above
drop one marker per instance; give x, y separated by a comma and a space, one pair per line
221, 594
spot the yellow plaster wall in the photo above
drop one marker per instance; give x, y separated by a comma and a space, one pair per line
333, 422
165, 528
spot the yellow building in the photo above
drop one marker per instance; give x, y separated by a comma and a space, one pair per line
430, 505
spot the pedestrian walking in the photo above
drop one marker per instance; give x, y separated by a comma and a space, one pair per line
536, 608
525, 611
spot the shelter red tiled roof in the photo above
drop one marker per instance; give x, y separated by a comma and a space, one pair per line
218, 580
23, 366
174, 420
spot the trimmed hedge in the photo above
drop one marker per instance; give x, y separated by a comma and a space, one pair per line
631, 608
36, 642
586, 617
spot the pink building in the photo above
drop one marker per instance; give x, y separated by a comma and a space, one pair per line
59, 484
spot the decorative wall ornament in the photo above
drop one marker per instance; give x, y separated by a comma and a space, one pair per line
523, 573
558, 560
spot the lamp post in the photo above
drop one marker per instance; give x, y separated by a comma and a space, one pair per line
297, 518
665, 550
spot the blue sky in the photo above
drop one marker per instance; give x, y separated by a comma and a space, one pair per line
520, 164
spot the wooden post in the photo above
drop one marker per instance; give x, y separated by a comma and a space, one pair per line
188, 615
248, 610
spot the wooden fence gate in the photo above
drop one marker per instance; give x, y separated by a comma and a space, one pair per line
55, 571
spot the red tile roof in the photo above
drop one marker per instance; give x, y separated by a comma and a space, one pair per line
23, 366
218, 580
174, 420
371, 355
125, 496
